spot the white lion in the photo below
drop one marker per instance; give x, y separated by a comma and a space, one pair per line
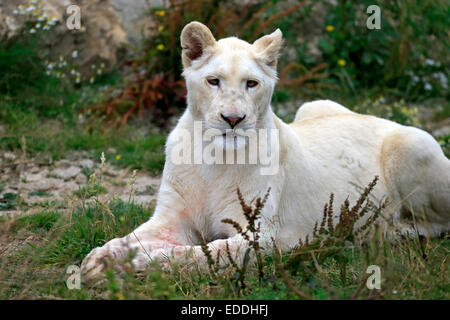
327, 149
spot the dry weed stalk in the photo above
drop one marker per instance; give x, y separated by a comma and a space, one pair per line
252, 232
330, 239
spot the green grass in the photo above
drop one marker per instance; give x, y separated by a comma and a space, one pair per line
9, 201
54, 139
49, 241
90, 190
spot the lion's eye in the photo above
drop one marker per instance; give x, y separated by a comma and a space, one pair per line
251, 83
213, 81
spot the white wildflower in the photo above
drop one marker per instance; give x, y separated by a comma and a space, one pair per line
430, 62
102, 160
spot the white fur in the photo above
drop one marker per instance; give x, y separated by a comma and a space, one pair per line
328, 149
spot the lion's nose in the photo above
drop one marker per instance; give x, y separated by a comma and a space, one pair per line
232, 120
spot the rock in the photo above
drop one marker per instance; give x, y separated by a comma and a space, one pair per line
442, 132
99, 40
33, 200
9, 156
81, 179
62, 163
135, 16
35, 169
66, 173
110, 171
32, 177
43, 184
68, 187
143, 200
87, 163
146, 185
9, 213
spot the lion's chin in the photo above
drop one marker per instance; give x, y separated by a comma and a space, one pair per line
231, 141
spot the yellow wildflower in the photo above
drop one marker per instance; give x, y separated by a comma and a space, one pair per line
160, 28
120, 296
329, 28
160, 47
341, 62
160, 13
118, 157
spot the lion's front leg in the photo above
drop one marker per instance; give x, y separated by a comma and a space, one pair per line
194, 255
155, 234
166, 229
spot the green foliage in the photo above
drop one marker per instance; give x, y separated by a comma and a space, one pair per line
90, 191
38, 222
9, 201
408, 55
24, 84
54, 139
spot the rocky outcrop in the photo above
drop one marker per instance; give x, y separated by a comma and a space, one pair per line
99, 41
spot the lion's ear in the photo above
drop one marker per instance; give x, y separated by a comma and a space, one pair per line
196, 39
268, 48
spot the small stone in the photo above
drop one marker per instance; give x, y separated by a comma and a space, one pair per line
62, 163
87, 163
9, 156
31, 177
442, 132
68, 187
146, 185
109, 171
142, 200
81, 179
43, 184
67, 173
35, 169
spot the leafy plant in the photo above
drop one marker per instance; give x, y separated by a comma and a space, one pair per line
397, 56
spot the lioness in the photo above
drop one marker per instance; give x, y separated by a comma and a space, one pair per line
327, 149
